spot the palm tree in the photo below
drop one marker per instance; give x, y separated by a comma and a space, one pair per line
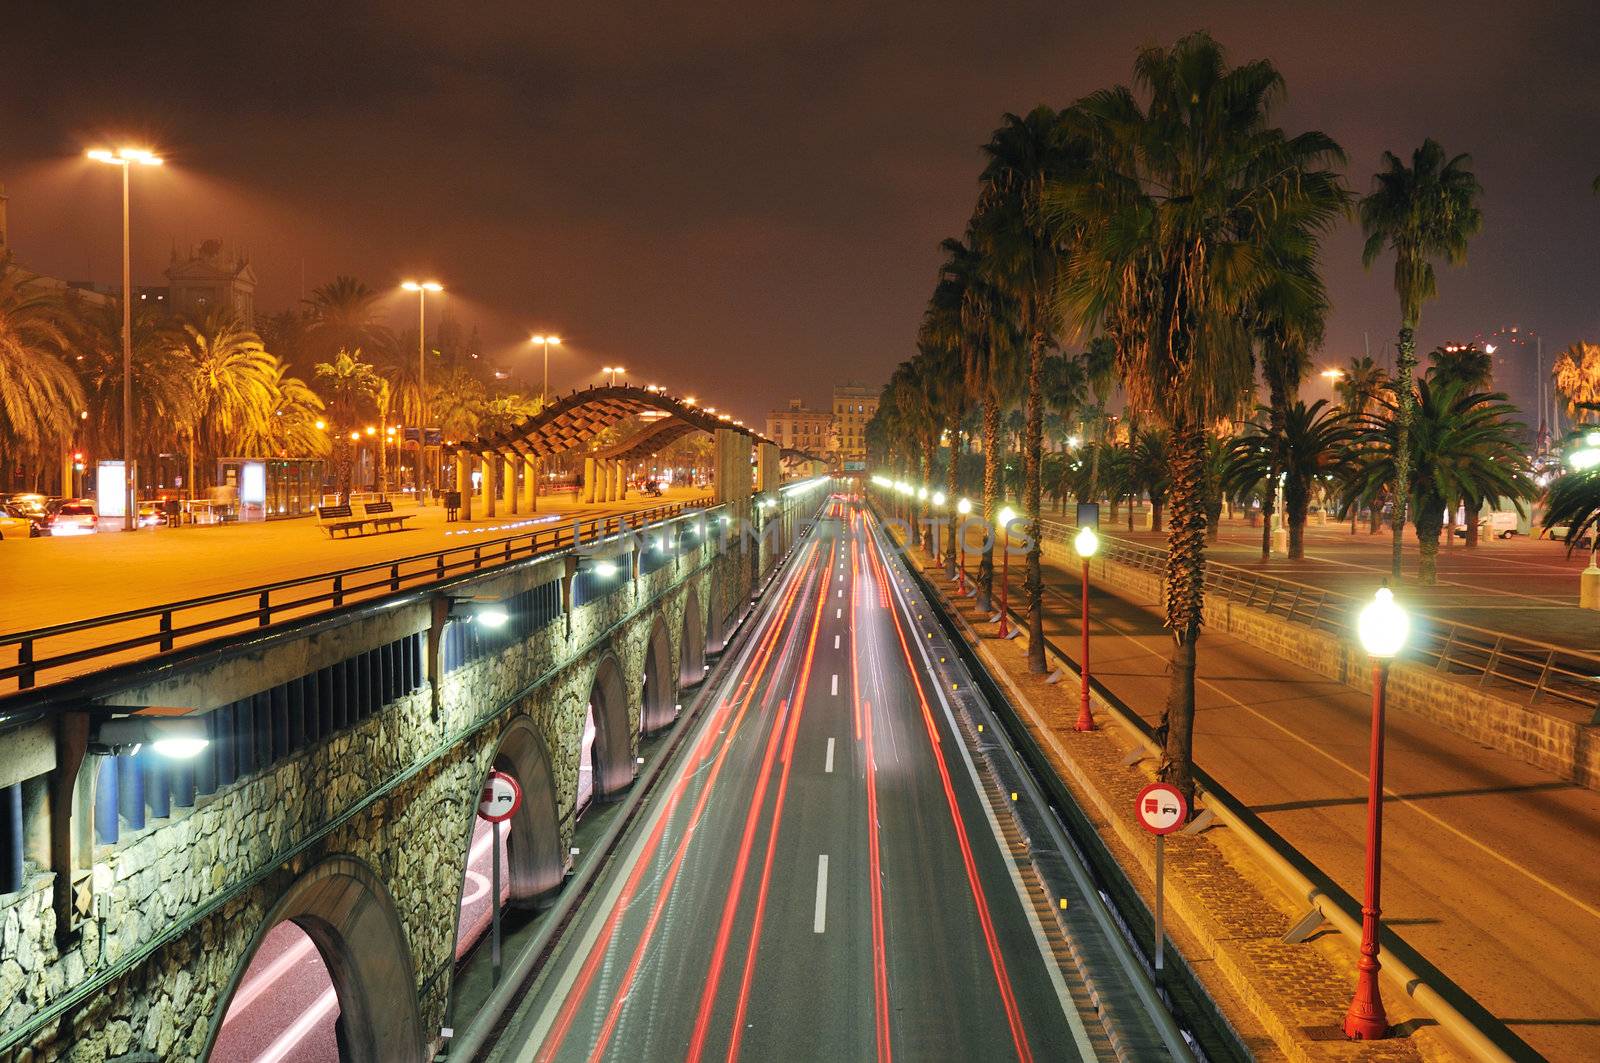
292, 429
1470, 366
1026, 251
939, 339
1183, 219
1100, 373
39, 397
350, 387
1148, 468
1463, 444
1422, 212
161, 375
1360, 385
343, 316
1316, 443
231, 378
1577, 376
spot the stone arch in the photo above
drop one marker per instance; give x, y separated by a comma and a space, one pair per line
612, 756
660, 681
346, 911
692, 644
536, 861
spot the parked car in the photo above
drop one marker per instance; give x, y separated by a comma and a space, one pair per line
36, 521
75, 516
1502, 524
14, 527
151, 515
1558, 532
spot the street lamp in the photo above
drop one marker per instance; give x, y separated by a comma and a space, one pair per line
938, 539
422, 288
963, 507
1005, 517
612, 370
126, 158
546, 342
1086, 542
1382, 628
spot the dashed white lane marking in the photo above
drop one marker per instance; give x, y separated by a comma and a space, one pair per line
838, 614
836, 642
827, 764
820, 921
836, 684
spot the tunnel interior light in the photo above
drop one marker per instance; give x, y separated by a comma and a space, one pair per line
491, 616
177, 737
605, 569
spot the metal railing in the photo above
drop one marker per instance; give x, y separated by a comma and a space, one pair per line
160, 628
1540, 669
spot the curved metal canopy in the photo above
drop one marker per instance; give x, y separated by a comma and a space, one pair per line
578, 417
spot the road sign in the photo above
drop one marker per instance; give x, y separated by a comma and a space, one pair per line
500, 799
1161, 808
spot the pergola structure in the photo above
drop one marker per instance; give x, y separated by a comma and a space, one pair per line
577, 418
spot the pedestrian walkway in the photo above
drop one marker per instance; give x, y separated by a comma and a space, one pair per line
1489, 866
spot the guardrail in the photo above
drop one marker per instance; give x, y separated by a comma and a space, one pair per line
160, 628
1449, 646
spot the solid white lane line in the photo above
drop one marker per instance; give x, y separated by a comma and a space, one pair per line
820, 921
827, 765
836, 684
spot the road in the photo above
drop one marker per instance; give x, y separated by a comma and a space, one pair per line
1489, 864
819, 875
54, 581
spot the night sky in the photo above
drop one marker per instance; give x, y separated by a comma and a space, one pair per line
741, 201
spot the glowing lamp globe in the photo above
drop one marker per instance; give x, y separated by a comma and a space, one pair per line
964, 506
922, 492
1005, 517
1383, 625
1086, 542
938, 498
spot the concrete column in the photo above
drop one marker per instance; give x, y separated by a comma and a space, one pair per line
512, 491
530, 484
464, 482
769, 464
590, 477
622, 481
490, 487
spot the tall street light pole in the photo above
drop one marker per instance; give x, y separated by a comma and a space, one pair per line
613, 370
546, 342
422, 288
1086, 542
1382, 628
126, 158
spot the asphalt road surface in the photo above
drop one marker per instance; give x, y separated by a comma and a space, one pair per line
820, 875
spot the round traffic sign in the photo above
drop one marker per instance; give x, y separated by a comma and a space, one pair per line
1161, 808
500, 799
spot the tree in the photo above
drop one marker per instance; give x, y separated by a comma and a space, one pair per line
291, 431
1577, 376
39, 397
1025, 251
1148, 469
1316, 443
1361, 385
1469, 365
350, 387
1425, 211
1189, 207
343, 316
1463, 445
162, 387
231, 378
1100, 373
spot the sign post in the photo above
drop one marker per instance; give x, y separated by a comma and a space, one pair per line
1161, 810
499, 801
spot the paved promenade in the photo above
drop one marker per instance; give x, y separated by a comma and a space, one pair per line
54, 581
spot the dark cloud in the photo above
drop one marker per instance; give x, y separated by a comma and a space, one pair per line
742, 200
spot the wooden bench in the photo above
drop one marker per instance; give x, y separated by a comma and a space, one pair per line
333, 519
384, 518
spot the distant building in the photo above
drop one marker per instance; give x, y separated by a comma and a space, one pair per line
798, 428
207, 280
853, 406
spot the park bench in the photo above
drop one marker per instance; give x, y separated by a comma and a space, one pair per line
340, 518
384, 518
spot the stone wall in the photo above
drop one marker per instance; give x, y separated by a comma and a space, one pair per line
179, 907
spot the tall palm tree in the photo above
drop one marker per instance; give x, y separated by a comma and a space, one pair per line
1577, 376
231, 379
1463, 444
350, 387
1148, 466
161, 375
39, 396
1425, 211
939, 339
1100, 372
343, 315
1316, 443
1190, 206
1470, 366
1360, 385
291, 431
1026, 250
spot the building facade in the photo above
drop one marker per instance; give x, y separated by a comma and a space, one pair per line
799, 428
209, 280
853, 406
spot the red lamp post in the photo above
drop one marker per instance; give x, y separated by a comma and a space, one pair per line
1382, 627
1005, 516
1086, 542
963, 507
